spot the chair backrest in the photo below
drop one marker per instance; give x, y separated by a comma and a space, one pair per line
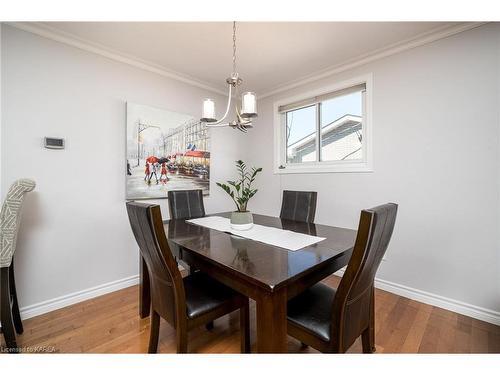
10, 218
186, 204
352, 303
299, 205
167, 288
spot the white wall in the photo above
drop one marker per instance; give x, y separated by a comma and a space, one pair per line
436, 154
75, 233
1, 196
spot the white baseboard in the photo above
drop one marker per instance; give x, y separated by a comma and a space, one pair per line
460, 307
463, 308
72, 298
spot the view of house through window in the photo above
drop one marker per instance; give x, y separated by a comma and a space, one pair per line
336, 119
341, 127
301, 135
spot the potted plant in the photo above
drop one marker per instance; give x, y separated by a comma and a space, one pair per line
240, 192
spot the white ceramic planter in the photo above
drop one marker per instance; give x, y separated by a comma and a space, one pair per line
241, 220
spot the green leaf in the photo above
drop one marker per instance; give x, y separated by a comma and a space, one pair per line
226, 188
242, 187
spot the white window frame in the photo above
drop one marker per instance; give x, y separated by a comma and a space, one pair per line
340, 166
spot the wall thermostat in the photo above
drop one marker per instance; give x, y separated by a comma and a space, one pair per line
54, 143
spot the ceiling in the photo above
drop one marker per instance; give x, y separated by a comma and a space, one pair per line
269, 54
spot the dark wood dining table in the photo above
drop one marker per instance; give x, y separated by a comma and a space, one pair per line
268, 274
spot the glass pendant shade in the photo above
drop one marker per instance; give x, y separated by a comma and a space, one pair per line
208, 111
248, 105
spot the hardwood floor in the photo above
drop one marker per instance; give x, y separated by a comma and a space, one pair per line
111, 324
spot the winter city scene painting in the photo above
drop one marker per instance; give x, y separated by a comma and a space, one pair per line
165, 151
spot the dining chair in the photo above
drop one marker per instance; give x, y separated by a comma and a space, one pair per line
10, 220
330, 320
299, 205
185, 303
186, 204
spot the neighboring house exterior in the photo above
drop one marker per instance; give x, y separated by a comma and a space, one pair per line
340, 140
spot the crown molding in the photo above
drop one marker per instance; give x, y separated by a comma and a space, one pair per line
99, 49
78, 42
420, 40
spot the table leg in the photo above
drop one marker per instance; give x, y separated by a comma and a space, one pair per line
144, 290
271, 323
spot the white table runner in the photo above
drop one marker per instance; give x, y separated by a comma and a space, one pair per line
269, 235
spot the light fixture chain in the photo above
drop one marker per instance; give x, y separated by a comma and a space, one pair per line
234, 47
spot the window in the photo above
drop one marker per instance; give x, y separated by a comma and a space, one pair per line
325, 131
301, 135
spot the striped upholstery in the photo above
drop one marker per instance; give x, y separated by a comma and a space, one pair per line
10, 218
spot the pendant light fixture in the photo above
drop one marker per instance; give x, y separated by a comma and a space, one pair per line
244, 113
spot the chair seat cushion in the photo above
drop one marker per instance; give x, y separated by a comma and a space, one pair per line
312, 310
204, 294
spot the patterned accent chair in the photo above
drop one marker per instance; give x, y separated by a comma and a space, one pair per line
10, 219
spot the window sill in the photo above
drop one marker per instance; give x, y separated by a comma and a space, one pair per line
324, 167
